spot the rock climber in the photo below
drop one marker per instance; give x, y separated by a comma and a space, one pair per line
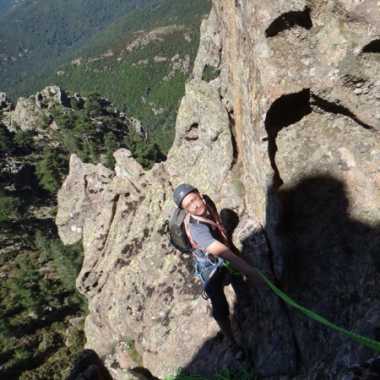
213, 239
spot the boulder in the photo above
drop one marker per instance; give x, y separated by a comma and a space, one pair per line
50, 96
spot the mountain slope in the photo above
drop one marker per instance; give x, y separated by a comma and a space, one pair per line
41, 313
139, 60
5, 5
141, 63
36, 35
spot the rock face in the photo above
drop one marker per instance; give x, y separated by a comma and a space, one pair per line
51, 96
27, 116
29, 113
5, 104
286, 135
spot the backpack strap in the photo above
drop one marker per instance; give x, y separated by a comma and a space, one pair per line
216, 222
186, 222
227, 240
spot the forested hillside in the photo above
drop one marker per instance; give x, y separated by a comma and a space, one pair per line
137, 53
141, 63
37, 35
124, 66
4, 5
41, 313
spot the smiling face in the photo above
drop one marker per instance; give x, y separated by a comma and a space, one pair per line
194, 204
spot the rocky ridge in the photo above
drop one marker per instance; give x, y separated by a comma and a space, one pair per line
33, 113
286, 136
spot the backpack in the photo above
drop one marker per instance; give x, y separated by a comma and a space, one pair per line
177, 233
205, 264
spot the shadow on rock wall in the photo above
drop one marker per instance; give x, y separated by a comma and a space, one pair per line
329, 263
332, 265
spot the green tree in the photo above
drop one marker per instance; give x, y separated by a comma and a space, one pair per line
111, 145
49, 170
4, 329
93, 105
67, 260
25, 284
145, 152
23, 140
8, 207
6, 140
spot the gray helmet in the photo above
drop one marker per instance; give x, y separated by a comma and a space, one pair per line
181, 191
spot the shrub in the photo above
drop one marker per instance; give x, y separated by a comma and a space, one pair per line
23, 140
6, 140
67, 260
49, 171
8, 207
111, 145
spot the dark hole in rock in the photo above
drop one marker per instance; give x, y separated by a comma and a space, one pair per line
372, 47
210, 73
289, 20
192, 132
286, 110
231, 119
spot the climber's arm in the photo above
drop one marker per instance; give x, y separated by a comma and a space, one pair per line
218, 249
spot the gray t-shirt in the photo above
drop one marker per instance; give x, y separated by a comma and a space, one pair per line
202, 233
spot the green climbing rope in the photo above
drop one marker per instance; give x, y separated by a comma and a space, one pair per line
370, 343
229, 267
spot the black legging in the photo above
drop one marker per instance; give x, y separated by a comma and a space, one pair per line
215, 291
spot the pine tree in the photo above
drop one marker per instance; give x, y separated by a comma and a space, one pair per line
6, 143
8, 207
111, 145
49, 171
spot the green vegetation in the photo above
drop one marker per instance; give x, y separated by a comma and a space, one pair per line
38, 35
8, 207
93, 133
65, 260
135, 80
37, 301
5, 139
38, 298
148, 89
145, 152
223, 375
133, 353
41, 313
50, 170
20, 142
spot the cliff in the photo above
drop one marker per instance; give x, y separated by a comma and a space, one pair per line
280, 124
